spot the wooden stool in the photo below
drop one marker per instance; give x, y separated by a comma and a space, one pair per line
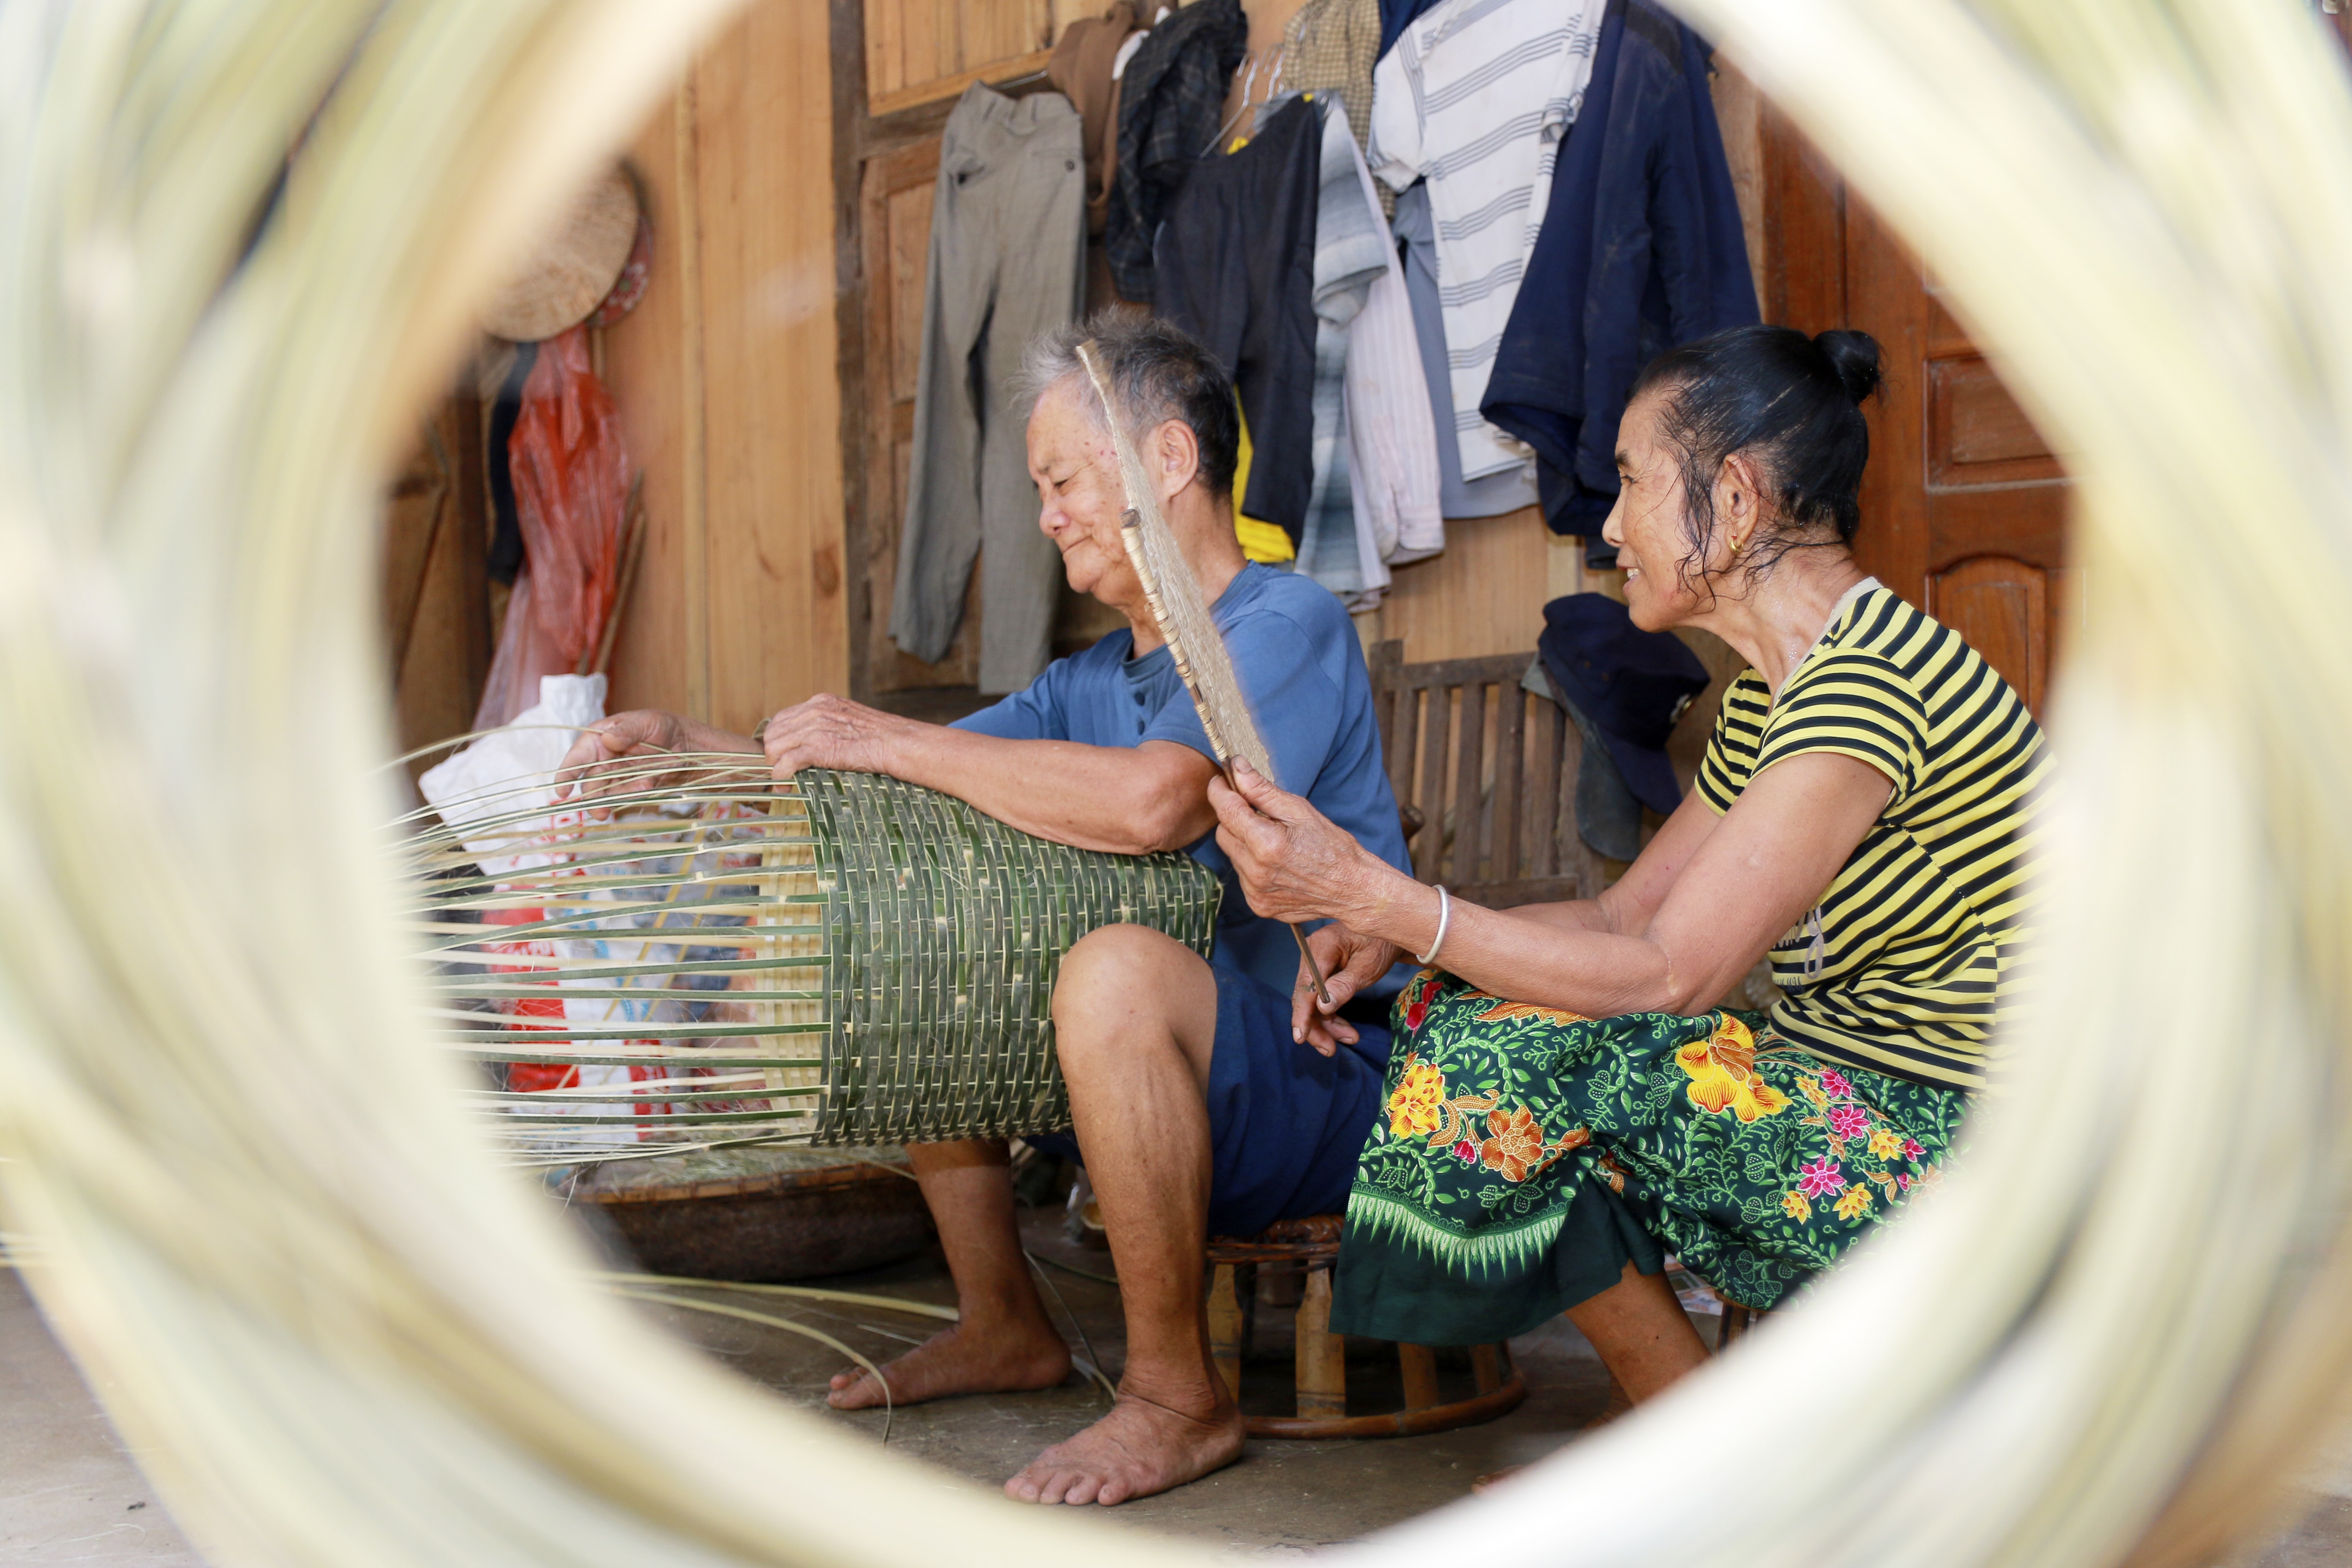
1322, 1375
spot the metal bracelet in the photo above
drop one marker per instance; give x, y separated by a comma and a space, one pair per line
1444, 914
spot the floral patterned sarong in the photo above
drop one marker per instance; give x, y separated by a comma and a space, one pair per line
1527, 1154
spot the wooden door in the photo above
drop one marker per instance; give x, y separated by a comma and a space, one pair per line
1964, 505
895, 233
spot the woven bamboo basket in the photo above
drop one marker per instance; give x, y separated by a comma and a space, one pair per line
712, 957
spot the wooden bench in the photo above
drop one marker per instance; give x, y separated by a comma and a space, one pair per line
1485, 774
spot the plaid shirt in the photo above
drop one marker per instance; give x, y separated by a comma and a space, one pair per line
1171, 103
1330, 46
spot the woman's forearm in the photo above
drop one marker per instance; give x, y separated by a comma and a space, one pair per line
1564, 957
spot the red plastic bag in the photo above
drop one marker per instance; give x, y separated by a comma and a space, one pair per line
571, 468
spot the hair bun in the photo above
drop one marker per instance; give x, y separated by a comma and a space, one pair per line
1855, 356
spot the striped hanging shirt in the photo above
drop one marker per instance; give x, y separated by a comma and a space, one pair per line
1475, 98
1918, 948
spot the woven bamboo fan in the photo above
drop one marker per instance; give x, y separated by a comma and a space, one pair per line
846, 959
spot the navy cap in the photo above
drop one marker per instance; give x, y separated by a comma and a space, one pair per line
1631, 684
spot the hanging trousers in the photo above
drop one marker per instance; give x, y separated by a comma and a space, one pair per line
1007, 262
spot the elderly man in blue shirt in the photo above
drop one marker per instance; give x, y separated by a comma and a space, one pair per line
1197, 1110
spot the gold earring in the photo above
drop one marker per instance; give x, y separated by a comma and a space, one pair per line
1737, 545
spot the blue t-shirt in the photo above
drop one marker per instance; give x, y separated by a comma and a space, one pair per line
1303, 673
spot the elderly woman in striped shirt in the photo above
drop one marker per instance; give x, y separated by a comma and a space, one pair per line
1566, 1102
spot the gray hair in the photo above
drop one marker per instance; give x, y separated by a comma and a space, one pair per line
1158, 371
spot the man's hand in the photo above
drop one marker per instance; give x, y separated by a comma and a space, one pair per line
1349, 963
829, 731
586, 769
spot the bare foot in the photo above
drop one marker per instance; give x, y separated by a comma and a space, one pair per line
1137, 1449
960, 1360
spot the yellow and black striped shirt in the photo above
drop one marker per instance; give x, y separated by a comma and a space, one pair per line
1913, 953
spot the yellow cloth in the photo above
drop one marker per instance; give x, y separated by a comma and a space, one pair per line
1260, 540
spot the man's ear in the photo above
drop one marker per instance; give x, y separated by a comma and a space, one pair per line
1179, 453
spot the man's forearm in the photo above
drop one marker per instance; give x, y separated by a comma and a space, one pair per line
693, 736
1095, 797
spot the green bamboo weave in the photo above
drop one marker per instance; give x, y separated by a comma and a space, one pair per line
945, 929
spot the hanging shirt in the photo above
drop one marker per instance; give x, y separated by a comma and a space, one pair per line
1476, 98
1351, 249
1302, 672
1235, 268
1330, 46
1642, 248
1171, 99
1394, 473
1506, 490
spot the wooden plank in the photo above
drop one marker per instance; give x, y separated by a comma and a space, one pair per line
1543, 791
1429, 848
1485, 595
646, 361
442, 659
777, 621
885, 60
1510, 775
694, 465
994, 72
1469, 776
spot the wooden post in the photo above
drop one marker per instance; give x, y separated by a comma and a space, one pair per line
1322, 1359
1486, 1364
1282, 1284
1420, 1365
1225, 1329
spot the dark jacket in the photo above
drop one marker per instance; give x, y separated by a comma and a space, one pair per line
1396, 15
1171, 103
1640, 250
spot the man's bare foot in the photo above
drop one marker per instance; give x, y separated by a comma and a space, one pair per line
1137, 1449
960, 1360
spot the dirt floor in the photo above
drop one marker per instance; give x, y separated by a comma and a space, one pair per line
69, 1492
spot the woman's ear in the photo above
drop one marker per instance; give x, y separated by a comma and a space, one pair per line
1739, 499
1179, 457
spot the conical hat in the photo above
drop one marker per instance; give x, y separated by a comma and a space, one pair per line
573, 269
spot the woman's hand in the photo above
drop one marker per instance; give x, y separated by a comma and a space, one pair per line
829, 731
1349, 962
1294, 863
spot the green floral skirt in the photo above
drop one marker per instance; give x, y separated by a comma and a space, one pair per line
1526, 1154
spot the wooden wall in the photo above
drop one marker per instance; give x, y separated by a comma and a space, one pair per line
767, 511
435, 603
726, 376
